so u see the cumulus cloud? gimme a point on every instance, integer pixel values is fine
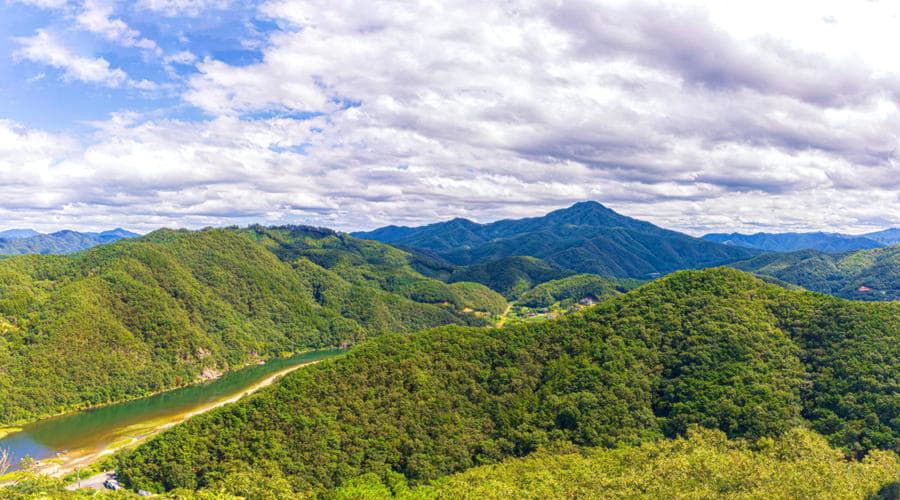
(96, 16)
(45, 48)
(364, 113)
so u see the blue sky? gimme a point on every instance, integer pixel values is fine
(38, 95)
(697, 115)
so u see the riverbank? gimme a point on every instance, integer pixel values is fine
(6, 431)
(66, 464)
(81, 455)
(16, 426)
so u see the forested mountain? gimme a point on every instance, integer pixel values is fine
(586, 237)
(790, 242)
(717, 348)
(510, 276)
(127, 319)
(18, 242)
(862, 275)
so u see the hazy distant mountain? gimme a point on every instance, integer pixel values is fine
(888, 236)
(791, 242)
(15, 234)
(60, 242)
(586, 237)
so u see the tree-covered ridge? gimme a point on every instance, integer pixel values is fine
(586, 237)
(716, 348)
(861, 275)
(139, 316)
(572, 289)
(511, 276)
(704, 464)
(364, 262)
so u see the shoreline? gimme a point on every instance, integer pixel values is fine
(70, 461)
(20, 424)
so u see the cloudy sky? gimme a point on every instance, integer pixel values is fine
(699, 116)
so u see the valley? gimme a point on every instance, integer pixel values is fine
(459, 376)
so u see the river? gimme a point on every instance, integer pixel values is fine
(76, 438)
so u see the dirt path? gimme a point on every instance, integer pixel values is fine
(92, 483)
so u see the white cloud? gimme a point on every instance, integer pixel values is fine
(46, 49)
(676, 113)
(183, 57)
(182, 7)
(96, 16)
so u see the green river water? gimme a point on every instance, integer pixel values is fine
(94, 430)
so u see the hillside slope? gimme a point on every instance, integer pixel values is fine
(574, 288)
(863, 275)
(717, 348)
(706, 464)
(586, 237)
(138, 316)
(509, 276)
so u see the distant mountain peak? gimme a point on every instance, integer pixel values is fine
(585, 237)
(15, 234)
(589, 204)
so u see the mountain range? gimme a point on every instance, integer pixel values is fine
(790, 242)
(28, 241)
(586, 237)
(691, 372)
(823, 242)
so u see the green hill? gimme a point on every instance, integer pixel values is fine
(510, 276)
(799, 464)
(861, 275)
(715, 348)
(138, 316)
(586, 237)
(574, 288)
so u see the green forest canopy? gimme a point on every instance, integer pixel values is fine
(715, 348)
(138, 316)
(861, 275)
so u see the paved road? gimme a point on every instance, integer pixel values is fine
(92, 483)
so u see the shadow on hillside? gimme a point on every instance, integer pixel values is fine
(890, 491)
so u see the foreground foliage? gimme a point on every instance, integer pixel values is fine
(705, 464)
(715, 348)
(139, 316)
